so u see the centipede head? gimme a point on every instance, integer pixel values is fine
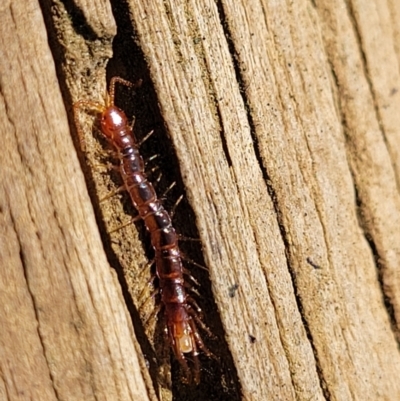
(112, 119)
(113, 122)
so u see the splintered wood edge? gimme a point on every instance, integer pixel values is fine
(62, 280)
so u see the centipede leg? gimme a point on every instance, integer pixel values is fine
(150, 159)
(146, 267)
(148, 320)
(152, 170)
(194, 305)
(145, 138)
(106, 165)
(158, 179)
(133, 220)
(190, 288)
(132, 124)
(196, 367)
(167, 190)
(187, 273)
(184, 238)
(192, 262)
(179, 200)
(113, 193)
(149, 284)
(200, 323)
(199, 342)
(149, 298)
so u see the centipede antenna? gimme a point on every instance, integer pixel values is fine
(89, 106)
(111, 90)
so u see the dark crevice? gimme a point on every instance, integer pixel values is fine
(223, 141)
(361, 221)
(198, 40)
(379, 264)
(235, 63)
(129, 62)
(79, 22)
(367, 76)
(358, 198)
(273, 196)
(219, 379)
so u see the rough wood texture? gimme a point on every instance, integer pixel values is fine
(283, 118)
(65, 331)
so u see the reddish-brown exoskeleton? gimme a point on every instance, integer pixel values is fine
(179, 309)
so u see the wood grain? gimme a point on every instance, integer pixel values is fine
(66, 333)
(282, 118)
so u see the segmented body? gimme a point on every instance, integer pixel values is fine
(178, 307)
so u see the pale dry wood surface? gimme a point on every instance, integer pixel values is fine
(284, 124)
(65, 330)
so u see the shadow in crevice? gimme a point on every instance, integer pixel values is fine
(218, 377)
(55, 39)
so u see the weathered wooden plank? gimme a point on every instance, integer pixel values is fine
(282, 119)
(341, 302)
(200, 100)
(66, 333)
(282, 57)
(377, 174)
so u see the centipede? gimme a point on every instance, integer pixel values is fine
(180, 311)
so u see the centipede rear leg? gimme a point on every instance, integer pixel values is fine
(196, 334)
(182, 359)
